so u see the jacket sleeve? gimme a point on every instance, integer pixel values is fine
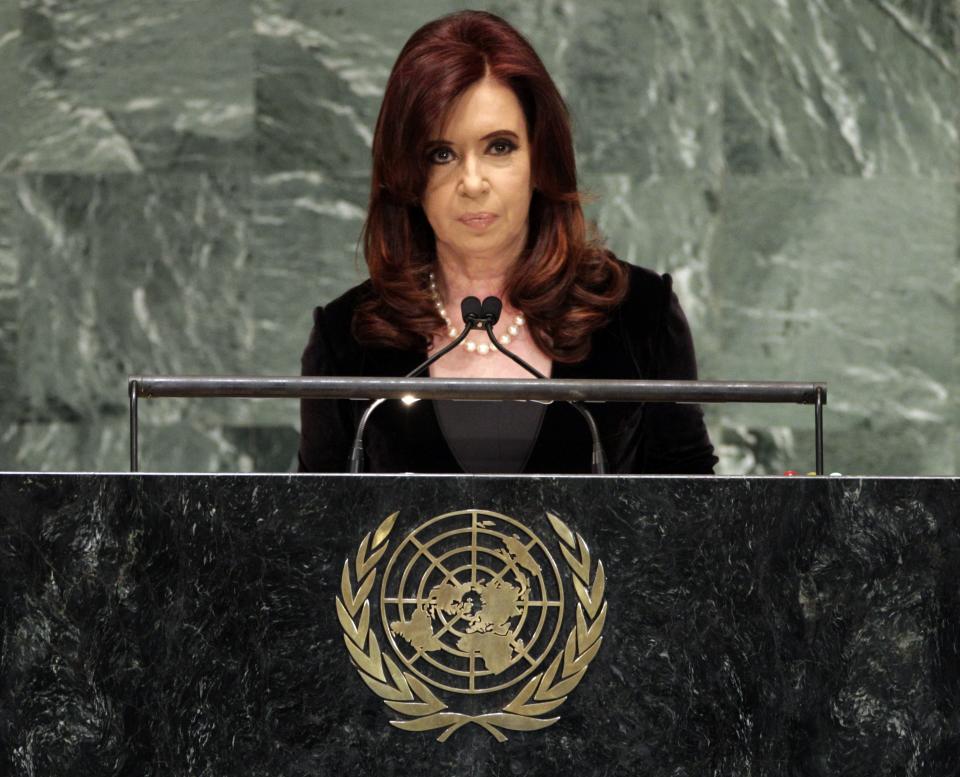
(674, 436)
(325, 427)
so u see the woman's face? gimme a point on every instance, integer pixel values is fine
(477, 197)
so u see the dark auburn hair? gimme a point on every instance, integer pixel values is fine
(565, 282)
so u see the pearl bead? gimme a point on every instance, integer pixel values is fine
(481, 348)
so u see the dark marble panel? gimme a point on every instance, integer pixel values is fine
(927, 21)
(845, 281)
(100, 445)
(191, 437)
(305, 252)
(642, 79)
(185, 438)
(9, 298)
(9, 80)
(644, 84)
(666, 224)
(785, 443)
(320, 72)
(184, 625)
(130, 86)
(851, 87)
(128, 274)
(865, 87)
(322, 68)
(955, 425)
(888, 446)
(263, 448)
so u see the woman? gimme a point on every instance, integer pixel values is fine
(474, 192)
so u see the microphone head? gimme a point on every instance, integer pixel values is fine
(491, 308)
(471, 309)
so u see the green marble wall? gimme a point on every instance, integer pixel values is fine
(181, 182)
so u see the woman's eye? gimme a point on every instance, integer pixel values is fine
(501, 147)
(440, 156)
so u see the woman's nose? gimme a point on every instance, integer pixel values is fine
(472, 179)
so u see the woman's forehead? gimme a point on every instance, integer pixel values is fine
(485, 107)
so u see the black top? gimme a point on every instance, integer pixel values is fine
(646, 338)
(489, 437)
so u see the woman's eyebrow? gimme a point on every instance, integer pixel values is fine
(500, 132)
(496, 133)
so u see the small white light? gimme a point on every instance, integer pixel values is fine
(518, 320)
(408, 399)
(471, 346)
(513, 329)
(505, 339)
(452, 332)
(483, 349)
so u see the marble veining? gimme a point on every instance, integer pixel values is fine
(772, 294)
(186, 625)
(122, 87)
(9, 80)
(180, 184)
(848, 87)
(9, 309)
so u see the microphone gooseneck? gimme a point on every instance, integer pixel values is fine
(477, 315)
(493, 306)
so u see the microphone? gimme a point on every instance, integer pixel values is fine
(471, 310)
(473, 316)
(492, 308)
(477, 315)
(490, 315)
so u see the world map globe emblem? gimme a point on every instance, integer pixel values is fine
(471, 601)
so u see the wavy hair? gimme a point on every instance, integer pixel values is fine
(564, 281)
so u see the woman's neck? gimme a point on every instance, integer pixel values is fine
(459, 277)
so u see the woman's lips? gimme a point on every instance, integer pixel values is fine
(477, 221)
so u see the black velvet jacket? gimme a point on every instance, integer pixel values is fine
(646, 338)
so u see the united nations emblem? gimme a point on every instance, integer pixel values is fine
(471, 605)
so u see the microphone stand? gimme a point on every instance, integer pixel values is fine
(480, 316)
(470, 308)
(598, 461)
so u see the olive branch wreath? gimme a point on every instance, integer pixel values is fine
(406, 694)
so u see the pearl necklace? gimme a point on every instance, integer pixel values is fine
(482, 348)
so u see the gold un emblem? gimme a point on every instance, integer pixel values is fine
(472, 605)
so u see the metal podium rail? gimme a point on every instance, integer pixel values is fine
(685, 391)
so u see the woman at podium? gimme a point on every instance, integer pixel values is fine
(474, 193)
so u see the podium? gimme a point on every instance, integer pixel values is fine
(191, 624)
